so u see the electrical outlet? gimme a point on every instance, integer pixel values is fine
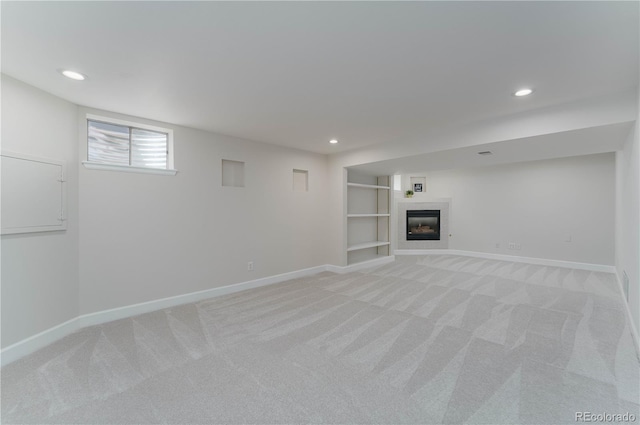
(250, 266)
(518, 247)
(497, 245)
(512, 245)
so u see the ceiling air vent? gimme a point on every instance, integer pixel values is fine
(485, 153)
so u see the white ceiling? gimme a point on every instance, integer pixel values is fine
(587, 141)
(299, 73)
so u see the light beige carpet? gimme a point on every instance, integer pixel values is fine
(430, 340)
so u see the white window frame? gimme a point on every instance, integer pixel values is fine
(169, 171)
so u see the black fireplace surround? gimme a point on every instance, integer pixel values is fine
(423, 225)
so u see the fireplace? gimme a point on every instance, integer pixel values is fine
(423, 225)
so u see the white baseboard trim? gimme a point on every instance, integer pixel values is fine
(146, 307)
(632, 325)
(44, 338)
(37, 341)
(516, 259)
(360, 266)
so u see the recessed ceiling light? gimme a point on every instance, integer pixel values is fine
(73, 75)
(523, 92)
(333, 141)
(485, 153)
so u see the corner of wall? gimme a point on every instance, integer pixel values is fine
(36, 298)
(627, 227)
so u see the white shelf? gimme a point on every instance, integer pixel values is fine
(366, 245)
(368, 186)
(367, 217)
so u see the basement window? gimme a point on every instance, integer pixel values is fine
(125, 146)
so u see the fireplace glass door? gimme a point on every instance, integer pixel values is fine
(423, 225)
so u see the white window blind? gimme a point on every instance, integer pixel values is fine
(115, 144)
(148, 149)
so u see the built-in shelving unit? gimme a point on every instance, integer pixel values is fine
(368, 186)
(368, 216)
(366, 245)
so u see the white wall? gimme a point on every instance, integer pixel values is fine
(539, 205)
(628, 218)
(146, 237)
(39, 270)
(133, 238)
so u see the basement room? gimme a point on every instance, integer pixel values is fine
(222, 212)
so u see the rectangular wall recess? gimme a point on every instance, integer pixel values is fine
(232, 173)
(300, 180)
